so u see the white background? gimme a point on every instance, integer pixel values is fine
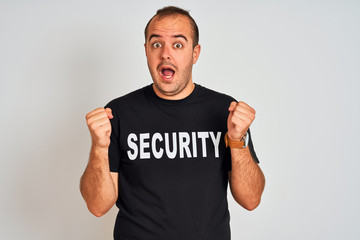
(296, 62)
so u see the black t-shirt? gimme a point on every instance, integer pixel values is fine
(172, 164)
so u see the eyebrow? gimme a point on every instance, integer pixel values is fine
(175, 36)
(152, 36)
(180, 36)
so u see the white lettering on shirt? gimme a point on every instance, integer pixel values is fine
(184, 141)
(203, 136)
(157, 154)
(132, 137)
(194, 146)
(143, 145)
(170, 154)
(172, 145)
(216, 142)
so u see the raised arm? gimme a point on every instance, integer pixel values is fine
(99, 186)
(246, 179)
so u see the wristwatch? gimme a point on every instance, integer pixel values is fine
(236, 144)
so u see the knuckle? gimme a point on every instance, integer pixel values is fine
(240, 106)
(91, 126)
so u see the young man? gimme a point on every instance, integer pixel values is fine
(160, 153)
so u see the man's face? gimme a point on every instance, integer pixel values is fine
(170, 56)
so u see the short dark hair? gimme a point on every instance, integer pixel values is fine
(173, 11)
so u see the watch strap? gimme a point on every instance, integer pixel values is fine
(234, 144)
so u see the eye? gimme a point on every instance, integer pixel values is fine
(178, 45)
(156, 45)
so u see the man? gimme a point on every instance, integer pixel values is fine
(160, 152)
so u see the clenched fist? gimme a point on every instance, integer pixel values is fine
(239, 120)
(99, 125)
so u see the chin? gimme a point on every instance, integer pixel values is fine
(168, 89)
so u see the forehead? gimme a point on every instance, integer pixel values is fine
(170, 25)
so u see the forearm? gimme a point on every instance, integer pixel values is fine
(96, 184)
(246, 179)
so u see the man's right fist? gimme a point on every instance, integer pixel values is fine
(99, 126)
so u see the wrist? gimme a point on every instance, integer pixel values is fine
(99, 148)
(240, 138)
(99, 152)
(239, 144)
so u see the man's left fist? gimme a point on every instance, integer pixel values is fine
(239, 120)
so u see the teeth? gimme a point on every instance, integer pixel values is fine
(168, 77)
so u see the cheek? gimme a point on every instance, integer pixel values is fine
(151, 60)
(184, 58)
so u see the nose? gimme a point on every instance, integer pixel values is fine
(165, 54)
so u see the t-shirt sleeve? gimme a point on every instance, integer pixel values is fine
(114, 148)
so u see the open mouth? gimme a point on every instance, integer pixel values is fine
(167, 72)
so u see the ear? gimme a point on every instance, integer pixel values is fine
(196, 53)
(145, 49)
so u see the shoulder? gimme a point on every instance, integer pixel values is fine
(213, 95)
(131, 98)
